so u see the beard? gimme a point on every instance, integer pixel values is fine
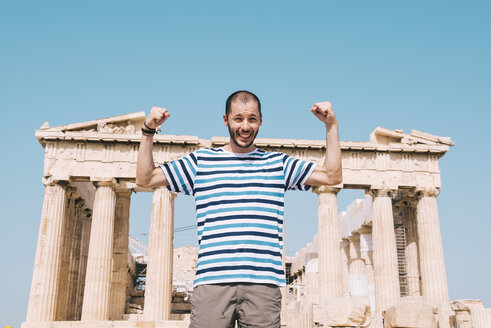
(233, 138)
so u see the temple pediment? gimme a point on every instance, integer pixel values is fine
(387, 137)
(121, 124)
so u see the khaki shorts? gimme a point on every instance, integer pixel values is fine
(221, 305)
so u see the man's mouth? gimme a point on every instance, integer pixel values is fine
(244, 136)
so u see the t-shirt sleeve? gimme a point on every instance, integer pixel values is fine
(296, 172)
(181, 174)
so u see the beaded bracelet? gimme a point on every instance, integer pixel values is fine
(147, 131)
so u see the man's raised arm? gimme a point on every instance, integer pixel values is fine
(331, 173)
(147, 174)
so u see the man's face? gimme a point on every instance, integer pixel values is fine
(243, 124)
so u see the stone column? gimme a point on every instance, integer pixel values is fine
(100, 259)
(345, 268)
(284, 290)
(386, 272)
(120, 270)
(412, 256)
(73, 275)
(479, 315)
(158, 287)
(358, 283)
(433, 275)
(328, 243)
(366, 251)
(44, 286)
(84, 254)
(62, 302)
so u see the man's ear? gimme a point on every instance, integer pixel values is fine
(260, 119)
(225, 120)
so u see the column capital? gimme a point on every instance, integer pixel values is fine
(365, 230)
(172, 194)
(344, 243)
(354, 237)
(72, 192)
(427, 192)
(380, 192)
(105, 182)
(124, 193)
(50, 181)
(325, 190)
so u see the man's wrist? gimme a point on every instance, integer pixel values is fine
(330, 126)
(148, 131)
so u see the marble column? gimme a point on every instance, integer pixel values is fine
(44, 286)
(412, 254)
(84, 254)
(284, 290)
(366, 252)
(479, 315)
(358, 283)
(63, 287)
(386, 272)
(73, 274)
(312, 273)
(120, 270)
(344, 268)
(328, 243)
(100, 259)
(433, 275)
(158, 287)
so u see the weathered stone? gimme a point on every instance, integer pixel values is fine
(411, 312)
(342, 312)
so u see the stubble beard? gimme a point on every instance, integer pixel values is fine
(233, 138)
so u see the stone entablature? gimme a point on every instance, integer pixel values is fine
(108, 148)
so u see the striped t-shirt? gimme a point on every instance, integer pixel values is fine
(239, 210)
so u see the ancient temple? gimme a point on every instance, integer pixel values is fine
(380, 261)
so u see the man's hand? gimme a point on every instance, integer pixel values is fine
(331, 173)
(323, 111)
(156, 117)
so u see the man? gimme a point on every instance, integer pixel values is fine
(239, 191)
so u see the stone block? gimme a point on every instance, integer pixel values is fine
(342, 312)
(412, 312)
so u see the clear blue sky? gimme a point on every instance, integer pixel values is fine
(397, 64)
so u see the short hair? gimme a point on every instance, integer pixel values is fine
(244, 97)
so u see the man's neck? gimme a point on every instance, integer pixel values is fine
(230, 147)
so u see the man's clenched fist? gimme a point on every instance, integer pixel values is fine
(323, 111)
(156, 117)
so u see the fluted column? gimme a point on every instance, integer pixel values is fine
(284, 290)
(84, 254)
(63, 287)
(158, 287)
(328, 243)
(479, 315)
(433, 275)
(344, 251)
(44, 286)
(358, 283)
(73, 275)
(412, 256)
(120, 271)
(386, 272)
(100, 258)
(366, 252)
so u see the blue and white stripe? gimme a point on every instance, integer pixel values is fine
(239, 210)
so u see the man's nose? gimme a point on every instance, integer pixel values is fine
(245, 125)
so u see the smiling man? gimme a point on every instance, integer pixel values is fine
(239, 192)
